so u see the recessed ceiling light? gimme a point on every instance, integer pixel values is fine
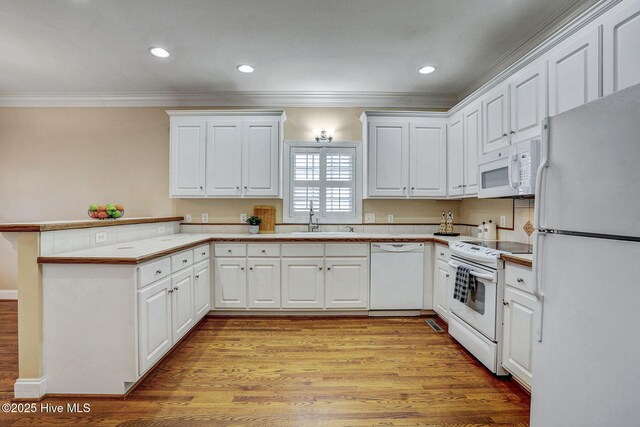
(159, 52)
(244, 68)
(427, 69)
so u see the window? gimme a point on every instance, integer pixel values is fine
(326, 178)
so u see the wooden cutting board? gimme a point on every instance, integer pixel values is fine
(268, 216)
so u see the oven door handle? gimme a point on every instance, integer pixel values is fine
(475, 273)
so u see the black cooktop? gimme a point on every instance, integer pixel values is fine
(511, 247)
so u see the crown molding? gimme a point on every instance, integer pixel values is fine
(229, 99)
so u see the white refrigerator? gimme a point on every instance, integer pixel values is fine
(586, 355)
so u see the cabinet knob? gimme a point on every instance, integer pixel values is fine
(328, 268)
(201, 187)
(170, 291)
(197, 276)
(229, 250)
(204, 253)
(441, 253)
(320, 268)
(264, 251)
(237, 188)
(245, 187)
(512, 132)
(242, 268)
(175, 289)
(251, 268)
(413, 188)
(504, 135)
(505, 302)
(447, 275)
(184, 261)
(464, 185)
(158, 271)
(404, 188)
(520, 280)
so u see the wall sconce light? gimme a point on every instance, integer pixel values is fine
(322, 135)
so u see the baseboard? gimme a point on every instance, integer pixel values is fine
(287, 313)
(8, 294)
(394, 313)
(30, 388)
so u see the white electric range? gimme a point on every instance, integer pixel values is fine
(477, 324)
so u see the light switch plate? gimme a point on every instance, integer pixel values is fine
(101, 237)
(205, 217)
(243, 217)
(369, 218)
(390, 218)
(161, 230)
(187, 217)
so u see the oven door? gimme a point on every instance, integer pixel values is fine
(479, 311)
(496, 176)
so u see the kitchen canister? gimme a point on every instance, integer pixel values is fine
(490, 231)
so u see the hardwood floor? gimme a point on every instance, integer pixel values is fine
(296, 372)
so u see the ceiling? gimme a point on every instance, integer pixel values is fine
(296, 46)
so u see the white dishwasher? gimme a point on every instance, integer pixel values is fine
(397, 276)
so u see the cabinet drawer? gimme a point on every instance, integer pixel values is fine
(346, 249)
(266, 250)
(303, 249)
(443, 252)
(181, 260)
(153, 271)
(231, 249)
(200, 253)
(519, 277)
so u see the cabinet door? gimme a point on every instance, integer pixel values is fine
(261, 154)
(518, 333)
(347, 283)
(224, 149)
(154, 323)
(621, 53)
(388, 159)
(528, 102)
(440, 289)
(182, 314)
(188, 141)
(574, 77)
(230, 284)
(264, 283)
(495, 113)
(472, 130)
(303, 283)
(428, 159)
(455, 158)
(202, 288)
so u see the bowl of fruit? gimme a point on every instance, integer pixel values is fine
(108, 211)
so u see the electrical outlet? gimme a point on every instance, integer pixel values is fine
(161, 229)
(503, 221)
(205, 217)
(243, 217)
(390, 218)
(369, 218)
(187, 217)
(101, 237)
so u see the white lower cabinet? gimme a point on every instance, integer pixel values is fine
(154, 322)
(347, 283)
(202, 289)
(440, 288)
(303, 282)
(230, 283)
(263, 282)
(182, 313)
(518, 333)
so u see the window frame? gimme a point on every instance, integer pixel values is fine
(356, 218)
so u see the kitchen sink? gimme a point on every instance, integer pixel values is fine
(323, 233)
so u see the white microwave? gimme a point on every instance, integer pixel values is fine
(510, 172)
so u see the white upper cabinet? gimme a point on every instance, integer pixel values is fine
(224, 162)
(428, 159)
(496, 124)
(574, 72)
(407, 156)
(388, 159)
(456, 156)
(188, 138)
(226, 153)
(472, 131)
(528, 102)
(260, 164)
(621, 35)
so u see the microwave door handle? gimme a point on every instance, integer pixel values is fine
(515, 167)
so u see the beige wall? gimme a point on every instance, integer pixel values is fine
(54, 162)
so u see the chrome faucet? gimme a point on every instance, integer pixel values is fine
(350, 228)
(311, 226)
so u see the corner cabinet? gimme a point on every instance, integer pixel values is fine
(406, 155)
(225, 153)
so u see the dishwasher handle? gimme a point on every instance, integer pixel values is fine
(396, 247)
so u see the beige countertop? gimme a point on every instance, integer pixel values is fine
(521, 259)
(36, 227)
(140, 251)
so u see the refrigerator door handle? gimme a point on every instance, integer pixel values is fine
(537, 288)
(544, 163)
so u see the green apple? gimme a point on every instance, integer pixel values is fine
(93, 208)
(116, 214)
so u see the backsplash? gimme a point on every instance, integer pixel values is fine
(293, 228)
(522, 213)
